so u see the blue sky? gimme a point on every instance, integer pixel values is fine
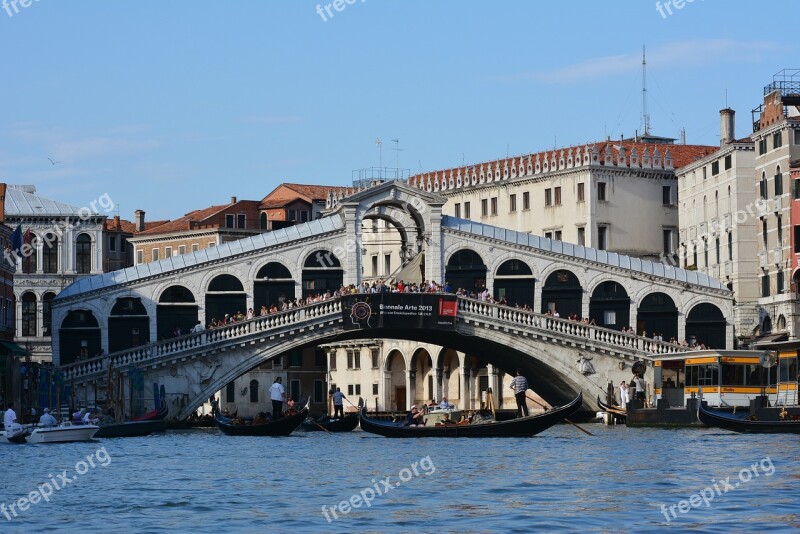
(174, 105)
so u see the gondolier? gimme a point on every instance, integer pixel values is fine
(278, 394)
(520, 385)
(338, 404)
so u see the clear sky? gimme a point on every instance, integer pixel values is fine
(171, 106)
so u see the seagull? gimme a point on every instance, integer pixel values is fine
(53, 162)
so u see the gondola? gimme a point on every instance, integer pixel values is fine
(131, 429)
(280, 427)
(520, 427)
(741, 423)
(616, 410)
(348, 423)
(156, 414)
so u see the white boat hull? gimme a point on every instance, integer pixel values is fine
(63, 434)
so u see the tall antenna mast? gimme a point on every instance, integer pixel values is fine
(645, 116)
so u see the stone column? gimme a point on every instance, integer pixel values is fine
(351, 262)
(634, 314)
(438, 387)
(434, 267)
(411, 377)
(466, 398)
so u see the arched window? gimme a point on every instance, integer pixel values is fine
(254, 391)
(47, 313)
(263, 220)
(29, 314)
(29, 253)
(716, 203)
(83, 254)
(50, 254)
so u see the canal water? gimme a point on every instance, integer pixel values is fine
(562, 480)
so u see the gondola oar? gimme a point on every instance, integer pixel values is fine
(567, 420)
(322, 427)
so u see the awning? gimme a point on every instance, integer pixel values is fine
(9, 347)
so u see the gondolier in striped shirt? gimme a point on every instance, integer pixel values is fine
(520, 385)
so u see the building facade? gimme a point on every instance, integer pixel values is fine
(619, 196)
(718, 212)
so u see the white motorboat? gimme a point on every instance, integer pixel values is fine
(16, 433)
(65, 433)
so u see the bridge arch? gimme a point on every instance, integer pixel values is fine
(273, 283)
(657, 313)
(466, 269)
(176, 308)
(562, 292)
(706, 324)
(423, 376)
(515, 280)
(128, 324)
(610, 305)
(322, 271)
(396, 368)
(79, 336)
(225, 295)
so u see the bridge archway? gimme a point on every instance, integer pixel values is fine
(610, 305)
(706, 324)
(79, 336)
(515, 281)
(225, 295)
(658, 313)
(176, 308)
(467, 270)
(423, 376)
(396, 368)
(273, 285)
(128, 324)
(322, 271)
(562, 292)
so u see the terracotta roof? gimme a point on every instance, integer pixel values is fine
(183, 223)
(148, 225)
(681, 155)
(747, 139)
(279, 202)
(310, 192)
(120, 225)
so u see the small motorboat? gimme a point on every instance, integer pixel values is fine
(64, 433)
(16, 433)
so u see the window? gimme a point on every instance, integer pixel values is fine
(254, 390)
(780, 232)
(778, 183)
(350, 390)
(230, 393)
(601, 191)
(466, 210)
(666, 195)
(319, 391)
(296, 358)
(241, 221)
(581, 194)
(667, 241)
(762, 146)
(557, 235)
(694, 255)
(229, 220)
(513, 203)
(29, 314)
(779, 281)
(548, 197)
(558, 196)
(29, 255)
(602, 237)
(458, 211)
(762, 186)
(705, 170)
(796, 188)
(332, 365)
(50, 254)
(47, 313)
(582, 236)
(139, 256)
(717, 251)
(374, 265)
(764, 232)
(303, 216)
(797, 238)
(195, 247)
(715, 168)
(212, 244)
(122, 242)
(387, 264)
(797, 137)
(609, 318)
(112, 243)
(494, 205)
(526, 200)
(319, 358)
(167, 252)
(777, 140)
(375, 353)
(484, 207)
(354, 359)
(182, 249)
(294, 390)
(292, 215)
(155, 254)
(728, 162)
(375, 389)
(705, 252)
(765, 284)
(730, 246)
(83, 254)
(548, 235)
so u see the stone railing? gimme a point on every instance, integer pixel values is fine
(212, 338)
(556, 325)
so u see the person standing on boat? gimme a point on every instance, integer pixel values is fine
(46, 419)
(10, 416)
(520, 385)
(278, 394)
(624, 395)
(338, 404)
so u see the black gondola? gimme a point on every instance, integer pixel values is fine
(741, 422)
(131, 429)
(616, 410)
(520, 427)
(345, 424)
(280, 427)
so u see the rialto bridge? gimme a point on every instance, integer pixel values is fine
(125, 318)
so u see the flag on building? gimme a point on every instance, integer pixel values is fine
(16, 239)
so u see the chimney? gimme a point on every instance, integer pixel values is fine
(233, 200)
(727, 125)
(139, 220)
(117, 225)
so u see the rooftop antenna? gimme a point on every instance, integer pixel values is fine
(645, 116)
(379, 144)
(397, 150)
